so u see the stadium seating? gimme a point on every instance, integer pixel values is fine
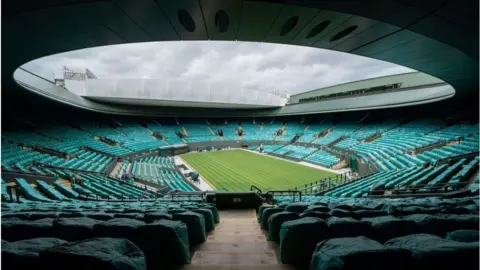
(419, 148)
(160, 233)
(319, 223)
(323, 158)
(160, 171)
(338, 131)
(313, 130)
(271, 148)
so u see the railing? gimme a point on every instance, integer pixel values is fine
(271, 194)
(439, 188)
(256, 189)
(179, 194)
(454, 158)
(323, 185)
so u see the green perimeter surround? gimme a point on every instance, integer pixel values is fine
(237, 170)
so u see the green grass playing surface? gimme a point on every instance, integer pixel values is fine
(237, 170)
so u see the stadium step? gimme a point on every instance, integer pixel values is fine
(115, 169)
(237, 243)
(185, 131)
(211, 131)
(65, 183)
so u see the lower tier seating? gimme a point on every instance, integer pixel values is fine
(101, 235)
(413, 178)
(345, 233)
(323, 158)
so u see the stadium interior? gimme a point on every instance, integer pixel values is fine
(375, 174)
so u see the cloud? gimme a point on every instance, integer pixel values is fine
(259, 66)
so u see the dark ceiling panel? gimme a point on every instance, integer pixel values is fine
(386, 43)
(372, 34)
(462, 13)
(439, 43)
(374, 9)
(109, 15)
(148, 15)
(55, 22)
(427, 5)
(333, 18)
(19, 51)
(183, 14)
(405, 16)
(420, 54)
(446, 32)
(222, 18)
(361, 23)
(283, 30)
(19, 6)
(81, 22)
(257, 19)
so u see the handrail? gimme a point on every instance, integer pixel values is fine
(256, 189)
(281, 192)
(457, 157)
(339, 178)
(439, 188)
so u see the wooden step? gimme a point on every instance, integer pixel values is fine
(242, 221)
(260, 238)
(65, 183)
(237, 232)
(240, 267)
(244, 258)
(234, 227)
(236, 247)
(235, 244)
(238, 214)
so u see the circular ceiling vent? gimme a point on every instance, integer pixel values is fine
(288, 25)
(221, 21)
(186, 20)
(343, 33)
(318, 29)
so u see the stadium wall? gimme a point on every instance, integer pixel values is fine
(407, 80)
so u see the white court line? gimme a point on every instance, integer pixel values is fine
(202, 185)
(341, 171)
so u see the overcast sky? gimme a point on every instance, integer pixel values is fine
(259, 66)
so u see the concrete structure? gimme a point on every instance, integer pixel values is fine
(439, 38)
(413, 80)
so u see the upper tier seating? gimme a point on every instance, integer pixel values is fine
(338, 131)
(253, 132)
(229, 130)
(372, 129)
(313, 130)
(199, 132)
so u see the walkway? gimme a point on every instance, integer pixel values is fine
(237, 243)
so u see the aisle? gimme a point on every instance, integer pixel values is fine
(237, 243)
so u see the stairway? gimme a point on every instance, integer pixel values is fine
(236, 243)
(116, 169)
(65, 183)
(185, 131)
(211, 131)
